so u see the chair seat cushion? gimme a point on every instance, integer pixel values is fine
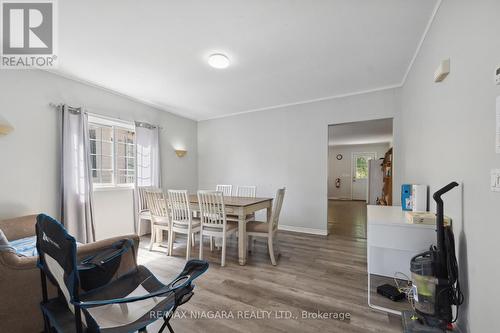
(145, 214)
(256, 226)
(161, 220)
(184, 224)
(230, 226)
(141, 282)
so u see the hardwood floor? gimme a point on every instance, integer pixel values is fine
(314, 273)
(347, 218)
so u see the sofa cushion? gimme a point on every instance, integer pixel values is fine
(4, 243)
(25, 246)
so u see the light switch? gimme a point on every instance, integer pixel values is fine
(495, 180)
(498, 126)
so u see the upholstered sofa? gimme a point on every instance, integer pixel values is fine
(20, 284)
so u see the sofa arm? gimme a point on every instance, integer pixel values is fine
(20, 286)
(21, 294)
(86, 250)
(10, 260)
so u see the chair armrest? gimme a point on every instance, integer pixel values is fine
(90, 304)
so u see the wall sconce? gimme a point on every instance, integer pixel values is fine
(5, 127)
(180, 152)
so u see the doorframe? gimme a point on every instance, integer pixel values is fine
(352, 168)
(394, 145)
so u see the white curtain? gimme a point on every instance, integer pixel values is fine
(148, 173)
(77, 207)
(148, 155)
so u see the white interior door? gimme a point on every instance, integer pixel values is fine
(359, 173)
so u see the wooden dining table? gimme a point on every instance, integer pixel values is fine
(240, 207)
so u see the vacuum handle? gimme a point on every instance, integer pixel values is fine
(437, 195)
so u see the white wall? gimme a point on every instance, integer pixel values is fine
(113, 212)
(284, 147)
(343, 169)
(450, 135)
(29, 167)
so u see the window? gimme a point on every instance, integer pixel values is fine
(361, 167)
(360, 164)
(112, 152)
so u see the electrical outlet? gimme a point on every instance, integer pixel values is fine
(495, 180)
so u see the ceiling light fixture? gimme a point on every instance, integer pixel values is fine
(218, 60)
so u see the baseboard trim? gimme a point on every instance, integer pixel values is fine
(303, 230)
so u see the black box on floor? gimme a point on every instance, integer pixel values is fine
(390, 292)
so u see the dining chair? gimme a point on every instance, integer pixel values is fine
(213, 220)
(143, 212)
(246, 191)
(182, 220)
(227, 190)
(268, 230)
(160, 220)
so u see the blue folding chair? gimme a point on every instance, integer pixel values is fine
(127, 303)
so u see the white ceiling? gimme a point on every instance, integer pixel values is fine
(282, 51)
(360, 133)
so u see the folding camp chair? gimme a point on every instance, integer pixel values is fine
(128, 303)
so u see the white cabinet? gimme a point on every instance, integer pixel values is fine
(392, 242)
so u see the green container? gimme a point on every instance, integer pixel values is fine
(425, 283)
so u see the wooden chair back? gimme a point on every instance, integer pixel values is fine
(141, 192)
(212, 209)
(179, 206)
(278, 203)
(246, 191)
(227, 190)
(157, 202)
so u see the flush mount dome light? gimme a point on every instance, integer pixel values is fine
(218, 60)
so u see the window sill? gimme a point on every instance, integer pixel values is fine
(113, 188)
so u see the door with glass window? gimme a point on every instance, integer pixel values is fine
(359, 188)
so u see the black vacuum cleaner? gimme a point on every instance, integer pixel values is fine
(436, 287)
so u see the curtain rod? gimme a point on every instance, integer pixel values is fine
(79, 110)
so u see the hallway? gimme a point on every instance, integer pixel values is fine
(347, 218)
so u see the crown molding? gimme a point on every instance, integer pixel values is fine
(117, 93)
